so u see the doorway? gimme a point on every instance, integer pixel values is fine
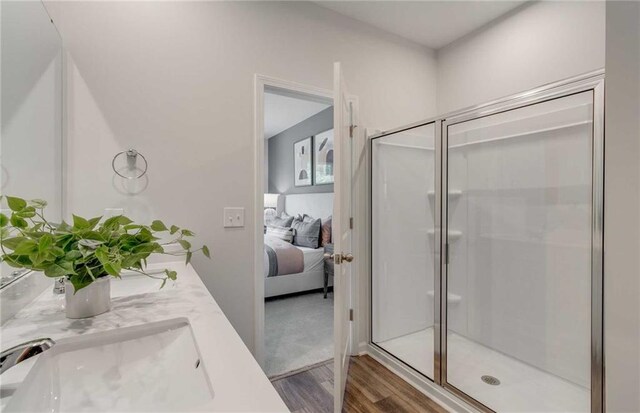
(294, 292)
(342, 232)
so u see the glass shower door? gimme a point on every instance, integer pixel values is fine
(403, 203)
(519, 232)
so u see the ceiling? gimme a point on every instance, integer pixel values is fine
(282, 111)
(431, 23)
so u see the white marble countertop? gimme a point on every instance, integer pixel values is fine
(237, 380)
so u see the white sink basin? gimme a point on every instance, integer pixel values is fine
(154, 367)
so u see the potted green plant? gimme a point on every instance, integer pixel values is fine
(87, 253)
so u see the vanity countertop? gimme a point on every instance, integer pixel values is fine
(236, 378)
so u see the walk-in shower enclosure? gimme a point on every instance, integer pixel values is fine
(486, 249)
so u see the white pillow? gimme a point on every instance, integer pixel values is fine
(283, 233)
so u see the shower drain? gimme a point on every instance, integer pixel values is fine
(490, 380)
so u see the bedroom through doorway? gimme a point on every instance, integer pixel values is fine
(298, 209)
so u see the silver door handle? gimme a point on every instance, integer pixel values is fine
(339, 258)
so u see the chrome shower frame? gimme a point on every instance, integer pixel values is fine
(594, 82)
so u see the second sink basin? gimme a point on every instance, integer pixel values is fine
(154, 367)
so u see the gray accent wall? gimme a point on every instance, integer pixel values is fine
(281, 154)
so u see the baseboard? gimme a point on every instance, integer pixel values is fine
(445, 399)
(289, 295)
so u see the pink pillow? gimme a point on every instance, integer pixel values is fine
(325, 232)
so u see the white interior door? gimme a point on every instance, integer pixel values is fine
(342, 234)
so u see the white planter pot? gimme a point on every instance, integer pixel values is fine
(90, 301)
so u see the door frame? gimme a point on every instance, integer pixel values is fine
(262, 82)
(593, 81)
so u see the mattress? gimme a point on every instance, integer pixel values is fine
(313, 260)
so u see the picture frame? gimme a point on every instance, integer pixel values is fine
(323, 158)
(303, 162)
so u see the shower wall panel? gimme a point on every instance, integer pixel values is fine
(522, 260)
(519, 220)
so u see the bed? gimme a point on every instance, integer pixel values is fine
(310, 261)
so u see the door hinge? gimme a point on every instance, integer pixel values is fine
(352, 128)
(351, 314)
(351, 223)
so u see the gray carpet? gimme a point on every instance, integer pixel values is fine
(298, 332)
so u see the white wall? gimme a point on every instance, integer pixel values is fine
(538, 43)
(175, 81)
(622, 208)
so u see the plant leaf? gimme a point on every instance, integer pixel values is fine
(184, 244)
(93, 222)
(12, 243)
(59, 252)
(111, 223)
(16, 204)
(94, 236)
(144, 235)
(158, 226)
(102, 254)
(80, 223)
(55, 270)
(18, 222)
(64, 227)
(79, 282)
(45, 242)
(189, 255)
(4, 220)
(172, 275)
(205, 251)
(38, 258)
(122, 220)
(89, 243)
(67, 266)
(27, 212)
(187, 233)
(90, 272)
(72, 255)
(26, 247)
(146, 248)
(64, 240)
(112, 268)
(38, 203)
(174, 229)
(17, 261)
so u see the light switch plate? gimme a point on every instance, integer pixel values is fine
(233, 217)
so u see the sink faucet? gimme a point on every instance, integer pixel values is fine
(58, 286)
(22, 352)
